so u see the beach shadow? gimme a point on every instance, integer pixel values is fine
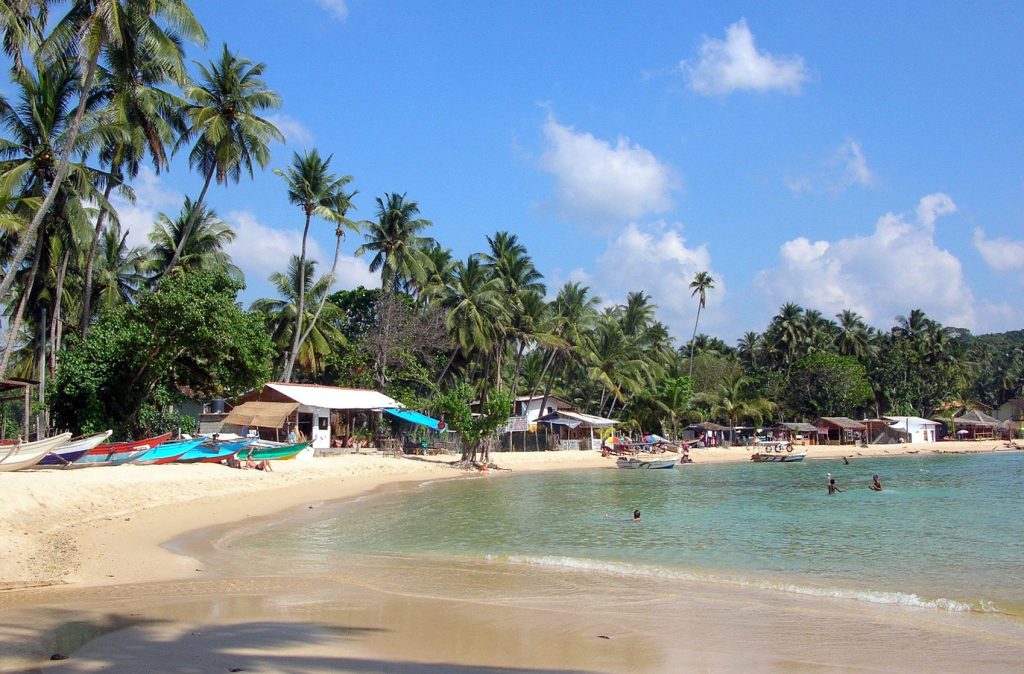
(247, 647)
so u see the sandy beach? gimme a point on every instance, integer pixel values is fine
(71, 541)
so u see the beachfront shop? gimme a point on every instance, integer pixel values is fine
(575, 430)
(839, 430)
(795, 433)
(976, 425)
(327, 416)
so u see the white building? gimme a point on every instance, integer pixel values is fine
(918, 429)
(529, 406)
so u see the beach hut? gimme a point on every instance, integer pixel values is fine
(796, 432)
(917, 429)
(839, 430)
(1011, 413)
(707, 432)
(322, 414)
(976, 425)
(575, 429)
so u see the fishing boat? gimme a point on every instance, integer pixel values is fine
(262, 450)
(211, 452)
(634, 462)
(758, 457)
(20, 455)
(72, 450)
(776, 451)
(117, 453)
(168, 452)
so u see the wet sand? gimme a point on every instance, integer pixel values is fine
(120, 602)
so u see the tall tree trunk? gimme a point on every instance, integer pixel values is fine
(58, 302)
(90, 260)
(693, 341)
(187, 231)
(323, 300)
(300, 307)
(64, 164)
(515, 374)
(448, 365)
(12, 336)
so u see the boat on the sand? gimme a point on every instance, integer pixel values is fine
(117, 453)
(263, 450)
(214, 452)
(18, 455)
(168, 452)
(72, 450)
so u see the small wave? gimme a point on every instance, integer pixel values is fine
(906, 599)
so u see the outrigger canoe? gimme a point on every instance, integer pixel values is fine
(116, 453)
(20, 455)
(168, 452)
(72, 450)
(259, 451)
(214, 453)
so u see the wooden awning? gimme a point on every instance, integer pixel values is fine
(256, 413)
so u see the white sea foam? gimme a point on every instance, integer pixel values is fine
(638, 570)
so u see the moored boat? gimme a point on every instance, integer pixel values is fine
(117, 453)
(72, 450)
(20, 455)
(168, 452)
(264, 451)
(633, 462)
(758, 457)
(214, 452)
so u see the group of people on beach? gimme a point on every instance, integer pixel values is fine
(876, 484)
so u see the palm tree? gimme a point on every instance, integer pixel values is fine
(200, 248)
(853, 338)
(119, 269)
(474, 305)
(613, 361)
(224, 121)
(395, 241)
(733, 401)
(146, 117)
(280, 316)
(701, 284)
(439, 272)
(317, 191)
(86, 30)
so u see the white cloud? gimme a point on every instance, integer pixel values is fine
(656, 259)
(1000, 253)
(735, 63)
(151, 198)
(600, 180)
(259, 250)
(337, 8)
(294, 132)
(846, 167)
(896, 268)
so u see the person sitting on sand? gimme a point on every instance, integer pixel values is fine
(876, 484)
(262, 465)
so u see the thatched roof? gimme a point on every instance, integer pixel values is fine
(843, 423)
(976, 418)
(707, 426)
(796, 426)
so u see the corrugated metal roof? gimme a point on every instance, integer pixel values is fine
(334, 397)
(913, 421)
(582, 419)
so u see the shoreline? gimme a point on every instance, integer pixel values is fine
(127, 514)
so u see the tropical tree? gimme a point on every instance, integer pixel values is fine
(119, 270)
(317, 192)
(395, 241)
(474, 308)
(854, 336)
(701, 283)
(733, 401)
(223, 119)
(200, 247)
(280, 316)
(88, 27)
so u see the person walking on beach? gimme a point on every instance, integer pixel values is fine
(876, 484)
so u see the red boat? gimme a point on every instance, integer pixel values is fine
(116, 453)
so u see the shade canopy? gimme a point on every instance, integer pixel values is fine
(416, 418)
(256, 413)
(334, 397)
(575, 419)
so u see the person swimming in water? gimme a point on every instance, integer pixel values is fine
(636, 515)
(832, 488)
(876, 484)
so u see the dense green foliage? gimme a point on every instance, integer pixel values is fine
(188, 339)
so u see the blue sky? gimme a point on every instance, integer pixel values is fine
(854, 155)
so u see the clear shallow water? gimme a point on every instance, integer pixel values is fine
(946, 533)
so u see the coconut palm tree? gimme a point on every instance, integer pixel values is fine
(119, 269)
(853, 337)
(318, 192)
(200, 248)
(474, 307)
(734, 401)
(396, 243)
(223, 116)
(146, 117)
(701, 284)
(280, 316)
(88, 27)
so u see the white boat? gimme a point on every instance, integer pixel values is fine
(20, 455)
(633, 462)
(757, 457)
(73, 450)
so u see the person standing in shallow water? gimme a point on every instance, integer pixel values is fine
(876, 484)
(832, 488)
(636, 515)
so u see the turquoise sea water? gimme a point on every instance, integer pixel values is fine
(947, 533)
